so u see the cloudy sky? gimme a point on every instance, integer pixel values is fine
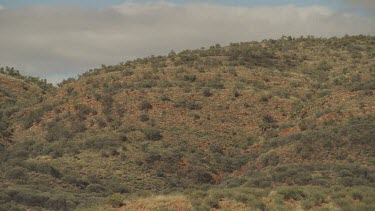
(56, 39)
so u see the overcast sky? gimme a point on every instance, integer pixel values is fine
(59, 39)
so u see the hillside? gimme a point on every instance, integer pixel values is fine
(277, 124)
(16, 93)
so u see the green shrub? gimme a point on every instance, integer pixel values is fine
(164, 98)
(200, 175)
(214, 83)
(190, 78)
(44, 168)
(117, 187)
(236, 94)
(268, 118)
(152, 134)
(101, 142)
(189, 104)
(17, 173)
(143, 117)
(145, 106)
(207, 92)
(60, 202)
(75, 180)
(212, 202)
(357, 195)
(127, 73)
(146, 84)
(58, 132)
(36, 115)
(265, 98)
(116, 200)
(293, 193)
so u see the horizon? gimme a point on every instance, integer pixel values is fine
(56, 40)
(76, 76)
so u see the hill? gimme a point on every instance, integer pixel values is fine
(277, 124)
(16, 93)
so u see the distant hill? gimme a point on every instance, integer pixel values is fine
(277, 124)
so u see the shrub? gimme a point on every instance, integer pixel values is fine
(152, 134)
(268, 118)
(17, 173)
(28, 197)
(233, 72)
(101, 123)
(270, 159)
(164, 98)
(357, 195)
(190, 78)
(59, 203)
(117, 187)
(262, 182)
(75, 180)
(123, 138)
(116, 200)
(293, 194)
(127, 73)
(207, 92)
(236, 93)
(100, 142)
(212, 202)
(4, 198)
(189, 104)
(146, 84)
(44, 168)
(265, 98)
(200, 175)
(144, 105)
(143, 117)
(58, 132)
(36, 115)
(95, 188)
(215, 83)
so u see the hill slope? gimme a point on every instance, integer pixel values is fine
(18, 92)
(257, 125)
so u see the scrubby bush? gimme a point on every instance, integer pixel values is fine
(102, 142)
(116, 200)
(207, 92)
(17, 173)
(293, 193)
(164, 98)
(143, 117)
(189, 104)
(60, 202)
(190, 78)
(214, 83)
(58, 132)
(36, 115)
(145, 106)
(152, 134)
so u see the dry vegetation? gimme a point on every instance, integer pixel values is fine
(271, 125)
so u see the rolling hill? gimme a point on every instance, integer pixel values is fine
(270, 125)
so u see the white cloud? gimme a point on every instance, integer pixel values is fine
(55, 42)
